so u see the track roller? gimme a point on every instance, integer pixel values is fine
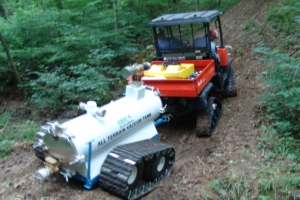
(132, 170)
(156, 167)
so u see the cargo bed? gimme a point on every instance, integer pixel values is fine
(204, 70)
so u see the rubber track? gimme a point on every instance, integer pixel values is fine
(230, 89)
(205, 121)
(112, 166)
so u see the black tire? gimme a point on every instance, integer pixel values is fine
(135, 175)
(207, 121)
(230, 85)
(156, 167)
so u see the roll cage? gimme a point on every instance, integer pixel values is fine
(186, 29)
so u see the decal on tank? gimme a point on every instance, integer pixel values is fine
(101, 142)
(126, 125)
(124, 121)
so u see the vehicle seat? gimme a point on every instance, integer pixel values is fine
(168, 43)
(200, 42)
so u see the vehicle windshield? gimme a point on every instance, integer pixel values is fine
(181, 37)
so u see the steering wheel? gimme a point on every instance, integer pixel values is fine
(186, 43)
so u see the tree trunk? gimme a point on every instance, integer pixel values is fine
(197, 5)
(2, 11)
(137, 4)
(115, 15)
(42, 5)
(10, 59)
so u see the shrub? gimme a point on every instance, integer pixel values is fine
(56, 89)
(283, 90)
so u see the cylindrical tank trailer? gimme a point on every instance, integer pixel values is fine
(113, 144)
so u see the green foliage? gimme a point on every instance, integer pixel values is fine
(280, 145)
(5, 147)
(12, 131)
(284, 23)
(55, 90)
(229, 187)
(282, 17)
(271, 182)
(280, 103)
(283, 94)
(278, 177)
(66, 55)
(278, 181)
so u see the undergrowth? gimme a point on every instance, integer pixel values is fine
(13, 131)
(278, 172)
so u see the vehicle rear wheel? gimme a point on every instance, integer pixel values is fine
(230, 85)
(208, 120)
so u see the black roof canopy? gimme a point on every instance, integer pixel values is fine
(185, 18)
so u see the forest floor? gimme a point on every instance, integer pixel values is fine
(232, 149)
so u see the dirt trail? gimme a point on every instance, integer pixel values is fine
(198, 160)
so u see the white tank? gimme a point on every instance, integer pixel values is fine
(125, 120)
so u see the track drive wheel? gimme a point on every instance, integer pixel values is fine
(230, 85)
(208, 120)
(157, 166)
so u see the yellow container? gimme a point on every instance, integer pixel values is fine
(155, 70)
(171, 71)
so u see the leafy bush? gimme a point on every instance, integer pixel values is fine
(49, 46)
(283, 90)
(283, 23)
(57, 89)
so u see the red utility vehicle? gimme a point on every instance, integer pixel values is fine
(188, 70)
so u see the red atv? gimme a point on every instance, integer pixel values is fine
(189, 70)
